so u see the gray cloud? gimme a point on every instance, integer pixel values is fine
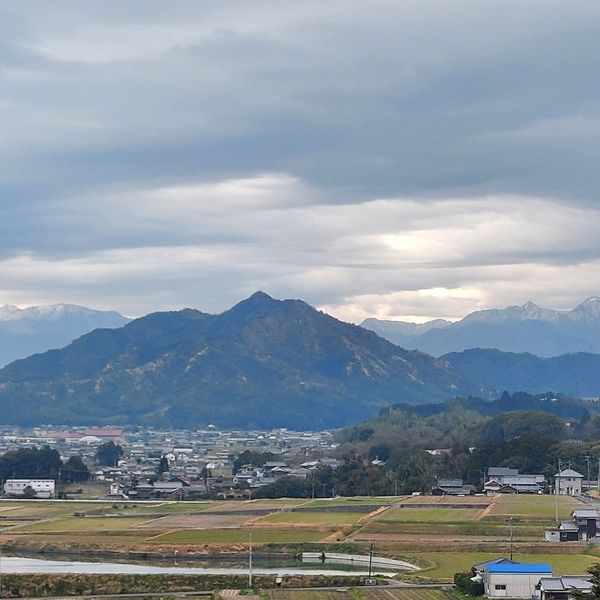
(401, 158)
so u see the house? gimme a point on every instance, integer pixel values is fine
(564, 588)
(582, 527)
(451, 487)
(39, 488)
(499, 472)
(116, 492)
(519, 580)
(503, 480)
(568, 483)
(587, 523)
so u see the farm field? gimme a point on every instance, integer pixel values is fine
(454, 500)
(429, 515)
(238, 536)
(355, 501)
(361, 594)
(445, 564)
(536, 507)
(81, 524)
(445, 535)
(312, 518)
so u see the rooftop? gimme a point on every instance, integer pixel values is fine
(519, 568)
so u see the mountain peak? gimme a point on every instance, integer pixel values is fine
(259, 296)
(589, 308)
(256, 304)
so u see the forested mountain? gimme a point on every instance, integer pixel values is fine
(575, 374)
(25, 331)
(526, 328)
(262, 363)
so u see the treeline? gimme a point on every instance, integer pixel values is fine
(42, 463)
(467, 442)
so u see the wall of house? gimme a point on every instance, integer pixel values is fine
(516, 585)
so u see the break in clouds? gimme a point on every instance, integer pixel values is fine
(405, 159)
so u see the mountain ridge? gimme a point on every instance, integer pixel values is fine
(263, 362)
(523, 328)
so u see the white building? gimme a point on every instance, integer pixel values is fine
(43, 488)
(502, 580)
(568, 483)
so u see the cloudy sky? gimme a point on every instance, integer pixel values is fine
(399, 159)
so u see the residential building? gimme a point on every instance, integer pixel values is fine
(568, 483)
(503, 480)
(451, 487)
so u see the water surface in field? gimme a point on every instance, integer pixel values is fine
(21, 564)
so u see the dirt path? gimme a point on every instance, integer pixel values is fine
(486, 511)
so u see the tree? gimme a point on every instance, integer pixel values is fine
(163, 465)
(286, 487)
(250, 457)
(75, 470)
(108, 454)
(35, 463)
(29, 493)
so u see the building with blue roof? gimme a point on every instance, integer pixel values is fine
(518, 580)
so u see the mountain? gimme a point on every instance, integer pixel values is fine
(575, 374)
(527, 328)
(263, 363)
(25, 331)
(555, 404)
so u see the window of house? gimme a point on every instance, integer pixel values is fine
(500, 586)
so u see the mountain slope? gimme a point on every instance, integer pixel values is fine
(576, 374)
(527, 328)
(39, 328)
(264, 362)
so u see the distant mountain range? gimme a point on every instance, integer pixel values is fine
(575, 374)
(559, 405)
(527, 328)
(25, 331)
(263, 363)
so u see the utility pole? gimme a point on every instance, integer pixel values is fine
(556, 500)
(510, 521)
(250, 564)
(370, 559)
(587, 460)
(556, 486)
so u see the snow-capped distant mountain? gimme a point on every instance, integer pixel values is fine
(25, 331)
(526, 328)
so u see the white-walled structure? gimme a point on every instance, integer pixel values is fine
(514, 580)
(568, 483)
(43, 488)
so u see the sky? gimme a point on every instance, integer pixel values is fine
(398, 159)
